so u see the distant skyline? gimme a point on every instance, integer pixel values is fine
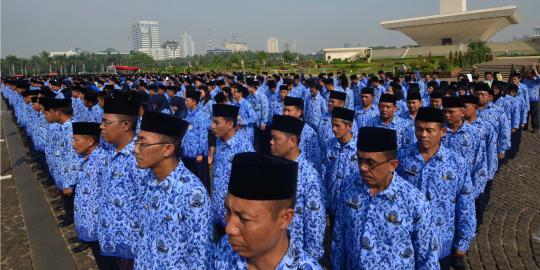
(31, 26)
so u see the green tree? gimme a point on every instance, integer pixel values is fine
(288, 57)
(262, 58)
(139, 59)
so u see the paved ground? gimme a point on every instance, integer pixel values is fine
(15, 247)
(509, 238)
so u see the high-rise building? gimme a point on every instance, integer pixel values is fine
(289, 45)
(272, 45)
(235, 46)
(172, 49)
(145, 35)
(186, 45)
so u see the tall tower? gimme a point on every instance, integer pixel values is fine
(209, 44)
(186, 45)
(272, 45)
(145, 35)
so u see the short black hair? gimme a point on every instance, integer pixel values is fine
(231, 119)
(276, 206)
(66, 111)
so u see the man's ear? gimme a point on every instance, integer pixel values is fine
(394, 164)
(285, 218)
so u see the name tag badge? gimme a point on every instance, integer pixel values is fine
(352, 204)
(411, 173)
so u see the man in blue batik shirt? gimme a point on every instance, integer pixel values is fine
(88, 180)
(382, 221)
(123, 182)
(247, 118)
(309, 221)
(229, 143)
(339, 159)
(496, 116)
(356, 87)
(259, 103)
(309, 144)
(315, 106)
(324, 130)
(66, 158)
(533, 92)
(465, 140)
(174, 222)
(388, 119)
(93, 111)
(195, 142)
(259, 214)
(366, 111)
(489, 136)
(438, 173)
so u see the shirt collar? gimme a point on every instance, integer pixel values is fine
(128, 149)
(440, 154)
(172, 178)
(389, 192)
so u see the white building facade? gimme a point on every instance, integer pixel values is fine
(272, 45)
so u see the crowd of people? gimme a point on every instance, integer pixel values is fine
(281, 171)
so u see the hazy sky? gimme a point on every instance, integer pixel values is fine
(31, 26)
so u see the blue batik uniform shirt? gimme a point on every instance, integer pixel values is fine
(174, 229)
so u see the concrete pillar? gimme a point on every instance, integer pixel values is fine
(453, 6)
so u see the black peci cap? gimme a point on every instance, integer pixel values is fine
(262, 177)
(164, 124)
(428, 114)
(374, 139)
(287, 124)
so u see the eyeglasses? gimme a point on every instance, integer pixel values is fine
(370, 164)
(108, 123)
(142, 146)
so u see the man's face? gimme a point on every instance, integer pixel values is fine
(113, 128)
(48, 116)
(387, 110)
(221, 127)
(340, 128)
(254, 227)
(81, 143)
(313, 91)
(367, 99)
(436, 102)
(469, 110)
(151, 149)
(236, 94)
(283, 94)
(76, 94)
(190, 103)
(483, 96)
(375, 167)
(453, 115)
(36, 107)
(413, 105)
(515, 80)
(489, 77)
(292, 111)
(281, 143)
(27, 99)
(428, 134)
(335, 103)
